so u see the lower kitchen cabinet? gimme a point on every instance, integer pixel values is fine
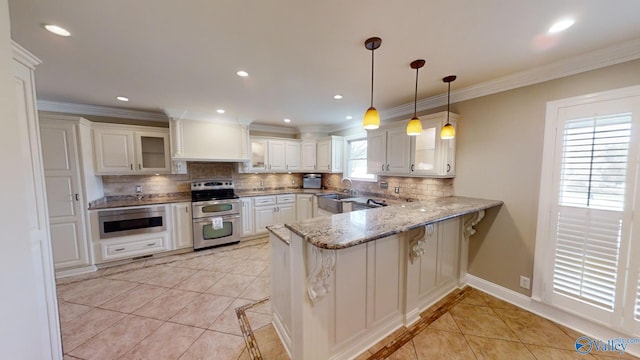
(274, 209)
(304, 206)
(182, 226)
(247, 217)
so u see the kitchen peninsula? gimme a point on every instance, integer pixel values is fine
(341, 283)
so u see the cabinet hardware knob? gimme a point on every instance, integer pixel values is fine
(412, 167)
(387, 167)
(77, 197)
(151, 244)
(119, 249)
(186, 210)
(139, 166)
(448, 167)
(131, 167)
(382, 167)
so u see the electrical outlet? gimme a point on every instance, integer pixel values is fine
(293, 182)
(261, 183)
(138, 189)
(384, 185)
(397, 190)
(525, 282)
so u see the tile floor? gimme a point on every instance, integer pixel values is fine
(184, 307)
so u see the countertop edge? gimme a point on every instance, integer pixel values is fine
(281, 232)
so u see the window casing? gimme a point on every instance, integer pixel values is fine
(356, 159)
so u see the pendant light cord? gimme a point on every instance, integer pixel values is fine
(372, 50)
(448, 101)
(415, 97)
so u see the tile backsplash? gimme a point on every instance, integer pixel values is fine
(164, 184)
(410, 188)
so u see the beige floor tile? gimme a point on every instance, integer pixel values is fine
(497, 303)
(70, 311)
(167, 305)
(225, 264)
(262, 308)
(117, 339)
(261, 254)
(134, 298)
(433, 344)
(196, 263)
(481, 321)
(168, 342)
(250, 267)
(259, 289)
(227, 322)
(95, 292)
(134, 265)
(245, 355)
(266, 272)
(269, 344)
(231, 285)
(87, 325)
(244, 253)
(169, 276)
(406, 352)
(475, 298)
(610, 356)
(547, 353)
(69, 357)
(258, 321)
(203, 311)
(444, 323)
(570, 332)
(139, 275)
(200, 281)
(491, 349)
(215, 345)
(534, 330)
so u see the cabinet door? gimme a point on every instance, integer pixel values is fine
(247, 217)
(286, 214)
(276, 155)
(308, 158)
(258, 155)
(62, 180)
(376, 151)
(292, 155)
(323, 155)
(182, 226)
(263, 217)
(337, 154)
(398, 144)
(424, 149)
(152, 150)
(114, 151)
(304, 207)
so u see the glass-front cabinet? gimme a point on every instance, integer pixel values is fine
(430, 155)
(153, 152)
(258, 154)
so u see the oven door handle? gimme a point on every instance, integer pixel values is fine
(208, 219)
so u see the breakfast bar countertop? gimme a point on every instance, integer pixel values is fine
(357, 227)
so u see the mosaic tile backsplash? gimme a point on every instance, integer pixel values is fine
(410, 188)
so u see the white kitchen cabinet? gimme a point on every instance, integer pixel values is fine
(65, 195)
(388, 150)
(182, 225)
(259, 158)
(304, 206)
(126, 150)
(430, 155)
(329, 154)
(195, 140)
(276, 155)
(282, 155)
(247, 217)
(273, 209)
(292, 155)
(308, 156)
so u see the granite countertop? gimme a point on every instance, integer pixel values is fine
(281, 232)
(353, 228)
(109, 202)
(251, 193)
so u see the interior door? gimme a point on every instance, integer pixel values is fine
(62, 180)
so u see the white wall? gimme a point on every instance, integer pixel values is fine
(21, 329)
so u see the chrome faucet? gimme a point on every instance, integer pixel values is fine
(350, 189)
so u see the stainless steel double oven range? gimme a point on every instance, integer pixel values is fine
(216, 213)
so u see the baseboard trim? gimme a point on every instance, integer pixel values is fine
(77, 271)
(579, 324)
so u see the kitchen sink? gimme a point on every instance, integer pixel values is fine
(331, 202)
(337, 196)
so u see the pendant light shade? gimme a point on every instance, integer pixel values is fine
(371, 118)
(448, 131)
(414, 127)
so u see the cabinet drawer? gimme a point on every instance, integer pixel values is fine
(264, 200)
(286, 199)
(134, 248)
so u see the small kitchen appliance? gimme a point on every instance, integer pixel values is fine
(312, 181)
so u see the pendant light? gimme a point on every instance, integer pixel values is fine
(448, 131)
(372, 117)
(414, 127)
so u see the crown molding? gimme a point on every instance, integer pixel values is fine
(274, 129)
(608, 56)
(181, 114)
(24, 56)
(96, 110)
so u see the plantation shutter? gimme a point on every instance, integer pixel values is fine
(591, 204)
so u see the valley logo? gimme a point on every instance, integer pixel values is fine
(586, 345)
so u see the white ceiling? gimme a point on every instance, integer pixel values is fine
(182, 55)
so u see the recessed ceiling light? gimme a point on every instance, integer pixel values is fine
(57, 30)
(349, 117)
(337, 97)
(561, 25)
(122, 98)
(242, 73)
(220, 111)
(287, 120)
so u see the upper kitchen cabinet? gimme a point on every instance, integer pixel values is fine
(390, 151)
(126, 149)
(308, 156)
(273, 155)
(196, 140)
(329, 153)
(430, 155)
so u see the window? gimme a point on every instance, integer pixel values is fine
(357, 160)
(587, 261)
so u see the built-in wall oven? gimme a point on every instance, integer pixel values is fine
(141, 220)
(216, 213)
